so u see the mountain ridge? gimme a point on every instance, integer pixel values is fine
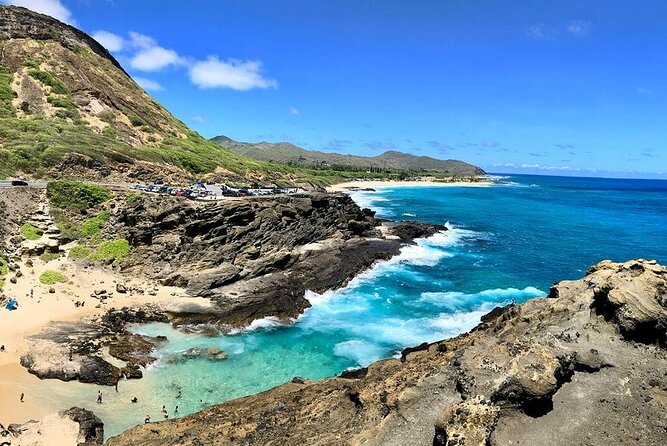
(285, 152)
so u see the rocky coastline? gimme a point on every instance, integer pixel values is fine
(237, 261)
(584, 366)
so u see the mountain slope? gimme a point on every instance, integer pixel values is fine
(391, 160)
(68, 108)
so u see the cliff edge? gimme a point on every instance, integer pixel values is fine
(584, 366)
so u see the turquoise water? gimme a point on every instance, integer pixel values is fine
(506, 242)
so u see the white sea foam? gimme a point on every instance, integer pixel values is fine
(361, 351)
(407, 214)
(455, 299)
(265, 323)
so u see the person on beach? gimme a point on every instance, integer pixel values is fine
(134, 400)
(116, 386)
(22, 395)
(99, 397)
(2, 348)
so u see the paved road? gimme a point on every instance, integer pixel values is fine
(35, 184)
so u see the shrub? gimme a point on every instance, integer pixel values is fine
(48, 256)
(30, 232)
(75, 195)
(91, 227)
(50, 79)
(132, 198)
(4, 269)
(49, 277)
(116, 250)
(6, 93)
(58, 101)
(135, 120)
(80, 252)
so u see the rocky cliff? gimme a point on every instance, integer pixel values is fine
(585, 366)
(248, 259)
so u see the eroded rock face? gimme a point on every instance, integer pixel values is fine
(549, 372)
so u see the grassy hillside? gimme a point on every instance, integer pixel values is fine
(67, 108)
(391, 161)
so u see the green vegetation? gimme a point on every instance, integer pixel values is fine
(48, 256)
(70, 194)
(50, 79)
(135, 120)
(6, 93)
(4, 270)
(116, 250)
(50, 277)
(132, 198)
(30, 232)
(80, 252)
(91, 228)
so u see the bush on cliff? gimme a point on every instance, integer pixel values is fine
(112, 250)
(29, 232)
(76, 195)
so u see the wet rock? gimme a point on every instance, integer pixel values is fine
(91, 428)
(120, 288)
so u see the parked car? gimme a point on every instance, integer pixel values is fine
(19, 183)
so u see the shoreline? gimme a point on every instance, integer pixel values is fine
(352, 186)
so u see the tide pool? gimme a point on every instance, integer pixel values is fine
(504, 242)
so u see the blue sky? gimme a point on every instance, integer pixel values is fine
(560, 87)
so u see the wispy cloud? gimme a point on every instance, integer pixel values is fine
(381, 145)
(148, 84)
(440, 147)
(574, 28)
(565, 146)
(232, 73)
(294, 111)
(648, 153)
(199, 119)
(53, 8)
(536, 154)
(338, 144)
(579, 28)
(151, 56)
(112, 42)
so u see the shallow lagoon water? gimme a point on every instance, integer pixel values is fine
(505, 242)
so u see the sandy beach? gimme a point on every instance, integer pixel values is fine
(43, 308)
(350, 185)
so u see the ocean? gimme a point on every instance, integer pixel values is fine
(505, 242)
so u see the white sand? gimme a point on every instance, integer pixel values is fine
(345, 187)
(43, 308)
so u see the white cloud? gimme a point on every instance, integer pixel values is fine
(151, 56)
(148, 84)
(110, 41)
(199, 119)
(579, 28)
(54, 8)
(539, 31)
(294, 111)
(232, 73)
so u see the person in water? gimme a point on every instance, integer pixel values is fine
(134, 400)
(147, 419)
(178, 395)
(176, 409)
(99, 397)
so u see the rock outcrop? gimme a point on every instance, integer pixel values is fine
(585, 366)
(75, 427)
(257, 257)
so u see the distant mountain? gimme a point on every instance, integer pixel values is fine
(287, 153)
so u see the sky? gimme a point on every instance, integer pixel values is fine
(567, 87)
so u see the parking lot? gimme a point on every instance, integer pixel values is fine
(209, 191)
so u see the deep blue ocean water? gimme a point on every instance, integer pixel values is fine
(505, 242)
